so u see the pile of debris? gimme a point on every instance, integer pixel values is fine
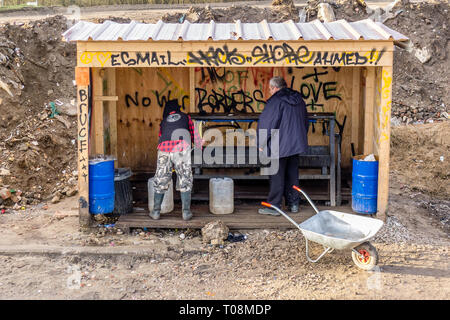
(38, 113)
(422, 68)
(284, 10)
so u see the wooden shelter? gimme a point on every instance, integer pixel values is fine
(126, 72)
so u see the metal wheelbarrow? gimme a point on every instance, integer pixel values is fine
(340, 231)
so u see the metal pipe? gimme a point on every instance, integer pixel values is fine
(307, 198)
(281, 212)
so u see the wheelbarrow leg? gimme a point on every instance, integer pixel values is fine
(325, 251)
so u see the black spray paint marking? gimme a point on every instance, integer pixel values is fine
(146, 58)
(238, 101)
(83, 131)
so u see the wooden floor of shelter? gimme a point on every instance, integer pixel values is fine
(245, 216)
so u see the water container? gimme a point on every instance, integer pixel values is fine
(167, 204)
(364, 185)
(221, 195)
(101, 185)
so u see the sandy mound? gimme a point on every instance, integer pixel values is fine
(38, 150)
(420, 157)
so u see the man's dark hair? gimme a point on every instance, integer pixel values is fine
(278, 82)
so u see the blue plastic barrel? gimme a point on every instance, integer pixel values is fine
(364, 185)
(101, 186)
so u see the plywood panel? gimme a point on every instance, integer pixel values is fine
(244, 90)
(142, 94)
(234, 53)
(356, 107)
(98, 120)
(110, 90)
(369, 102)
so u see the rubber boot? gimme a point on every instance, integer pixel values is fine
(157, 201)
(186, 205)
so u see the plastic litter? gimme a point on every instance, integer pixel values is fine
(100, 158)
(370, 157)
(109, 225)
(54, 111)
(236, 237)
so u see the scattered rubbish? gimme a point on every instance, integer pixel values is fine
(106, 225)
(441, 158)
(54, 111)
(5, 193)
(424, 55)
(6, 88)
(325, 12)
(302, 16)
(236, 237)
(370, 157)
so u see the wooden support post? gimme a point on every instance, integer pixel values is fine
(82, 80)
(192, 90)
(356, 108)
(383, 140)
(112, 108)
(369, 102)
(97, 111)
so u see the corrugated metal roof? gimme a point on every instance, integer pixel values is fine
(315, 30)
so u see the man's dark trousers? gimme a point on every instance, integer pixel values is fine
(281, 183)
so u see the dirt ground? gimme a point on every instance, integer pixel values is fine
(44, 255)
(51, 259)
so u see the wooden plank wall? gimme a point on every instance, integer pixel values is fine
(142, 93)
(323, 89)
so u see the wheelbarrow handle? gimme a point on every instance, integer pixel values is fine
(307, 198)
(266, 204)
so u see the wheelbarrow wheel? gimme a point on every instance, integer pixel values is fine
(368, 257)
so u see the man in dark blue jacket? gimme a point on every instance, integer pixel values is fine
(285, 120)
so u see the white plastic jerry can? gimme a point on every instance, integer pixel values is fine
(221, 195)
